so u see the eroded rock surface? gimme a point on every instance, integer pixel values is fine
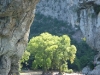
(16, 17)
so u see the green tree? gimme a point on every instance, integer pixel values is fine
(24, 58)
(51, 51)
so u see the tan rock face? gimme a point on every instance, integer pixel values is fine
(16, 17)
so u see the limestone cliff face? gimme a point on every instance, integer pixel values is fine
(60, 9)
(16, 17)
(76, 12)
(85, 13)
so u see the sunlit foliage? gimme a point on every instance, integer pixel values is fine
(50, 51)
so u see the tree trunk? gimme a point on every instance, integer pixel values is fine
(44, 72)
(60, 73)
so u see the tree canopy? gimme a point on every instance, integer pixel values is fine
(51, 52)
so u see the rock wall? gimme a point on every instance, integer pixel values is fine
(16, 17)
(60, 9)
(76, 12)
(85, 13)
(90, 26)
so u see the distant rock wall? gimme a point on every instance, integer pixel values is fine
(16, 17)
(60, 9)
(85, 13)
(76, 12)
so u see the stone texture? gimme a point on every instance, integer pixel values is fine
(86, 70)
(95, 71)
(16, 17)
(60, 9)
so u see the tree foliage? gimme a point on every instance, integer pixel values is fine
(24, 58)
(50, 51)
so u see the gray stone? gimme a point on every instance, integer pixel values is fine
(16, 17)
(95, 71)
(86, 70)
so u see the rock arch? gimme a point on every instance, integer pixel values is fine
(16, 17)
